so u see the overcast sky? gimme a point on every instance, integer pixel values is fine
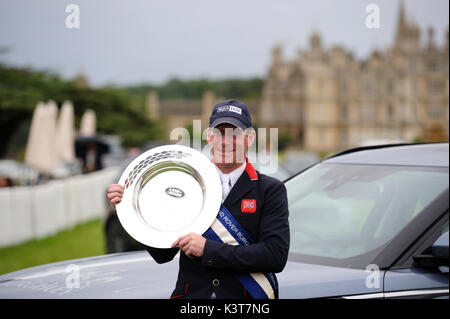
(135, 41)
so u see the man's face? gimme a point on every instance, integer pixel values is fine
(229, 144)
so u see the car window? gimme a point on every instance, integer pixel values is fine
(344, 210)
(444, 228)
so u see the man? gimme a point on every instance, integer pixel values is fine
(258, 203)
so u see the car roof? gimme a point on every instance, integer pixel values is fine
(426, 154)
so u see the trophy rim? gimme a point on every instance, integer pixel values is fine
(153, 164)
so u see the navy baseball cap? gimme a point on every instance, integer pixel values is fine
(233, 112)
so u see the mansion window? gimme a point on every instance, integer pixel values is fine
(433, 65)
(269, 113)
(369, 88)
(368, 113)
(390, 113)
(390, 87)
(321, 136)
(344, 113)
(436, 111)
(344, 138)
(321, 113)
(343, 88)
(435, 87)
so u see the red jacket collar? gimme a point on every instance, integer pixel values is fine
(251, 171)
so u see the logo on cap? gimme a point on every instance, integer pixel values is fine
(229, 108)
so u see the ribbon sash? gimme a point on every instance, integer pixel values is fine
(226, 229)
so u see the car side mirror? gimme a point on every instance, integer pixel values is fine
(439, 254)
(440, 248)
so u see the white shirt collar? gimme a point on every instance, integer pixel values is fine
(234, 175)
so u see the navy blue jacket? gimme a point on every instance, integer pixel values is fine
(267, 225)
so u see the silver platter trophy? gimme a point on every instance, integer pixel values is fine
(169, 191)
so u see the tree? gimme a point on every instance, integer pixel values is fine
(117, 113)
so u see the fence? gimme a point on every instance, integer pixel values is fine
(39, 211)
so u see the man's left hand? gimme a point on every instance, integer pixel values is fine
(192, 244)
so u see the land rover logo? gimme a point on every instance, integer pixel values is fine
(174, 192)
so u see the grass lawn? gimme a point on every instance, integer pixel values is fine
(81, 241)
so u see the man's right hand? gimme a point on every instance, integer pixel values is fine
(115, 193)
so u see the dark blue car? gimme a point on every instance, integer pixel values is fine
(365, 223)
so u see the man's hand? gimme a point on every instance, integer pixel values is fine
(192, 244)
(115, 193)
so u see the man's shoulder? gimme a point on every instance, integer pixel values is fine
(272, 190)
(269, 181)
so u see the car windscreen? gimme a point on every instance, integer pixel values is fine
(338, 212)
